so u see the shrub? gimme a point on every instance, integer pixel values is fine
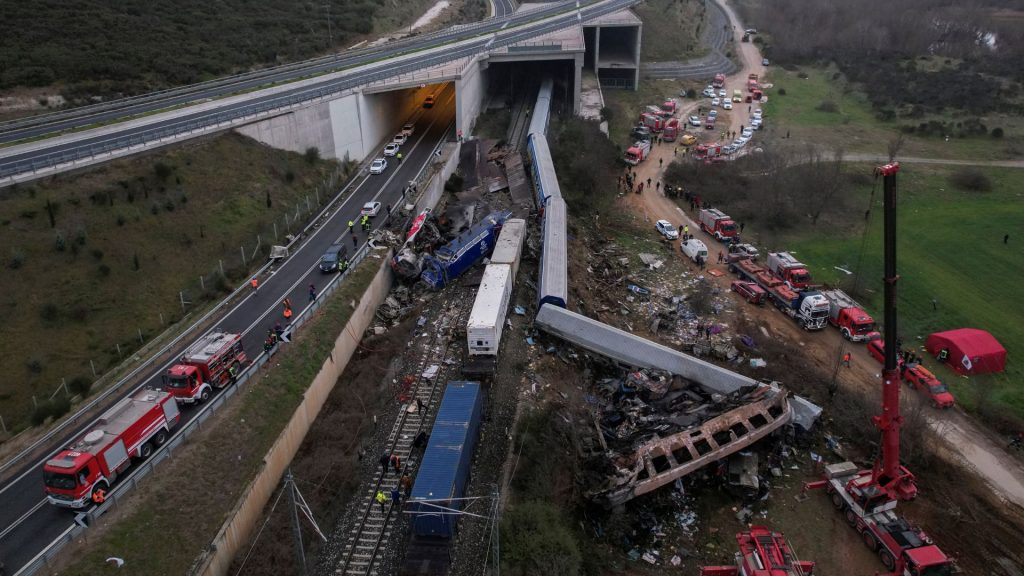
(454, 183)
(537, 540)
(80, 385)
(169, 205)
(997, 132)
(607, 113)
(34, 365)
(135, 261)
(312, 155)
(289, 176)
(120, 220)
(50, 409)
(827, 106)
(17, 259)
(802, 75)
(163, 170)
(971, 179)
(781, 92)
(691, 93)
(59, 243)
(49, 312)
(97, 253)
(104, 270)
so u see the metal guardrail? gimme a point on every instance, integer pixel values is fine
(148, 364)
(280, 103)
(312, 65)
(122, 488)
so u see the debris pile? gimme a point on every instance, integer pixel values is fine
(652, 428)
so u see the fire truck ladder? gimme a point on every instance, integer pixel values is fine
(374, 529)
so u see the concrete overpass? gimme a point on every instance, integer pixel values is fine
(347, 113)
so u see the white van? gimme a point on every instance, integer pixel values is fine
(693, 248)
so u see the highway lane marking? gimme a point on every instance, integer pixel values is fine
(34, 468)
(24, 516)
(44, 551)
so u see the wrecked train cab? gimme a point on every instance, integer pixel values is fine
(661, 461)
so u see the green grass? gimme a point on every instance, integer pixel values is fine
(84, 300)
(855, 128)
(671, 29)
(167, 528)
(951, 250)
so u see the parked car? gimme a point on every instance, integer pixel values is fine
(715, 101)
(876, 349)
(391, 149)
(666, 229)
(756, 124)
(749, 291)
(729, 149)
(688, 139)
(400, 138)
(408, 129)
(334, 258)
(370, 209)
(764, 62)
(709, 91)
(378, 166)
(695, 121)
(713, 114)
(726, 104)
(750, 31)
(920, 378)
(748, 132)
(428, 102)
(756, 113)
(722, 94)
(743, 139)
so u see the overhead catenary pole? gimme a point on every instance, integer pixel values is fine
(300, 554)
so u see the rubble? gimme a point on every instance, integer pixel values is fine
(654, 429)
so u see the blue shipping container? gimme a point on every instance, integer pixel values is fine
(447, 461)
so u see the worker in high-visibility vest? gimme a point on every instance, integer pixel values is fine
(99, 495)
(255, 284)
(287, 308)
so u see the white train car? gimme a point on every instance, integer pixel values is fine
(509, 247)
(486, 320)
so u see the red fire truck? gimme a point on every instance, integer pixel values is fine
(212, 362)
(133, 428)
(762, 553)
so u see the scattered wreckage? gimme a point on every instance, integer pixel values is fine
(673, 415)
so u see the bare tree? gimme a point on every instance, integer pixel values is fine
(894, 147)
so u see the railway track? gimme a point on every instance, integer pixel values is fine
(375, 527)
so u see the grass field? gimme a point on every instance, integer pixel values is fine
(950, 250)
(122, 241)
(671, 29)
(854, 127)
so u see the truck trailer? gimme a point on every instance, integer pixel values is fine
(212, 362)
(808, 308)
(134, 427)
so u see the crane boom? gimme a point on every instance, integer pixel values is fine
(888, 474)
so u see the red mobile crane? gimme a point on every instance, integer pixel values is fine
(762, 553)
(868, 497)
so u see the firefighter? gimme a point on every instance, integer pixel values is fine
(846, 359)
(255, 284)
(287, 303)
(233, 371)
(99, 495)
(366, 222)
(278, 330)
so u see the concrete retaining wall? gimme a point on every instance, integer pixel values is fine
(469, 96)
(241, 522)
(238, 528)
(297, 130)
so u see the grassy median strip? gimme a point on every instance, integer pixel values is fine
(177, 511)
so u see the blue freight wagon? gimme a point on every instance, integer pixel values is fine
(444, 472)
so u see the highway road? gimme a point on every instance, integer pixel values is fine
(503, 7)
(30, 524)
(13, 162)
(77, 118)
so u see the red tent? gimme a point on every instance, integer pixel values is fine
(970, 351)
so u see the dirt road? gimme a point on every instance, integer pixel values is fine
(975, 447)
